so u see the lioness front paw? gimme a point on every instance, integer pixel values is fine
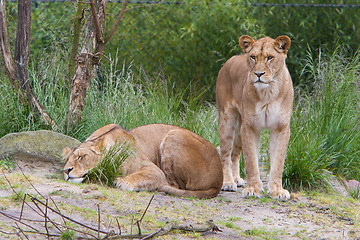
(124, 185)
(229, 186)
(281, 194)
(239, 181)
(252, 192)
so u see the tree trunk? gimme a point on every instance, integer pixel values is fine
(5, 46)
(85, 65)
(18, 70)
(75, 45)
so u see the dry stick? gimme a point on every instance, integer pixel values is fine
(68, 218)
(57, 212)
(22, 206)
(152, 234)
(17, 220)
(46, 217)
(25, 201)
(40, 233)
(29, 181)
(147, 207)
(21, 231)
(132, 223)
(117, 221)
(37, 231)
(12, 188)
(98, 205)
(65, 223)
(7, 233)
(109, 226)
(17, 233)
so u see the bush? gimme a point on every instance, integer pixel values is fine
(190, 41)
(317, 27)
(325, 124)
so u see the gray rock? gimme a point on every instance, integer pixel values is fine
(36, 146)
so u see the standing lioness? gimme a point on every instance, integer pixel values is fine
(254, 91)
(167, 158)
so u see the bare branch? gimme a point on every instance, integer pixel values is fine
(112, 31)
(147, 207)
(46, 218)
(117, 221)
(98, 206)
(22, 231)
(17, 220)
(99, 37)
(27, 179)
(68, 218)
(12, 188)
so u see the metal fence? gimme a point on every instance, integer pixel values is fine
(176, 38)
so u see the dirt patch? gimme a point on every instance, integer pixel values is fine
(316, 216)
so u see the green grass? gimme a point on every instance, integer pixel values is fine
(7, 164)
(67, 235)
(325, 125)
(108, 168)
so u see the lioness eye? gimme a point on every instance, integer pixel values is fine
(269, 58)
(252, 58)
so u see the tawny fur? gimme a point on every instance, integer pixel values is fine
(167, 158)
(253, 92)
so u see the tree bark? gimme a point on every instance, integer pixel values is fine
(75, 45)
(5, 47)
(18, 70)
(86, 62)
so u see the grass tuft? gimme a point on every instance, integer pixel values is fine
(108, 168)
(7, 164)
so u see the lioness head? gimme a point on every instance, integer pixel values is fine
(265, 58)
(80, 159)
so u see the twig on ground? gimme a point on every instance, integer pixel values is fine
(208, 226)
(21, 232)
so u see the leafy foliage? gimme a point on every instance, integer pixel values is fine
(317, 27)
(190, 41)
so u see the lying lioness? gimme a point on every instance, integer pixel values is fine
(167, 158)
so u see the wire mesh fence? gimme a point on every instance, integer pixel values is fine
(190, 40)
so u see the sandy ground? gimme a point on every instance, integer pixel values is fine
(306, 216)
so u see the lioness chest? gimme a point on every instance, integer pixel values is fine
(266, 115)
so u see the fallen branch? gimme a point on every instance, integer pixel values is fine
(43, 209)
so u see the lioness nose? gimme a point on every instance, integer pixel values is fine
(68, 170)
(259, 74)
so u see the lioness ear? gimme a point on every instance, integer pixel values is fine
(246, 43)
(282, 44)
(66, 151)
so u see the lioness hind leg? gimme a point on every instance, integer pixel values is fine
(148, 178)
(228, 120)
(235, 158)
